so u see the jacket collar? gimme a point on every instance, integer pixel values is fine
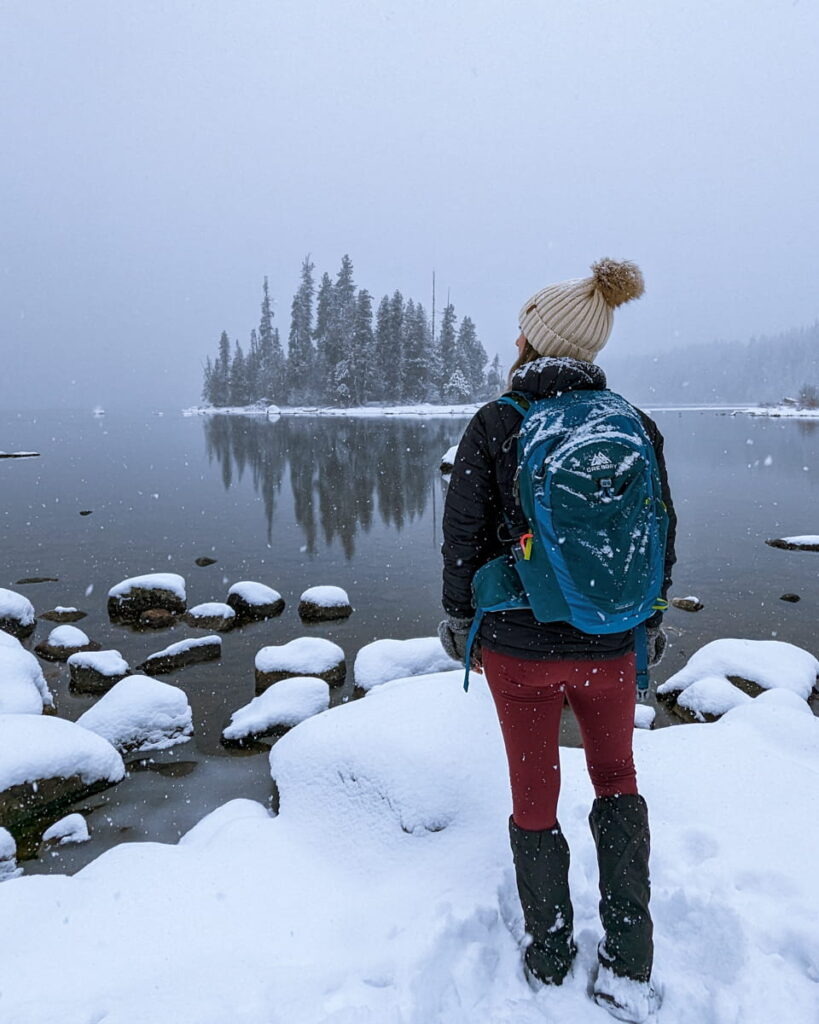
(550, 375)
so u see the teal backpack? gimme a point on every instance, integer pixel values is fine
(589, 488)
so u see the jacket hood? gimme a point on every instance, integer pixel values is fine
(551, 375)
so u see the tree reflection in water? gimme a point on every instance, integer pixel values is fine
(340, 469)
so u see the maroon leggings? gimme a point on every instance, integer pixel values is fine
(529, 697)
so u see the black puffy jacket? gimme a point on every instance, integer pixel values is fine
(480, 501)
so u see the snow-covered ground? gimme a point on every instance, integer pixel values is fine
(359, 412)
(790, 411)
(23, 689)
(383, 660)
(383, 891)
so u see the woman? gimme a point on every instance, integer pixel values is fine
(531, 667)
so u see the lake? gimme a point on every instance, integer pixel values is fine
(351, 502)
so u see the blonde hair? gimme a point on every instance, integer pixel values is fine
(528, 355)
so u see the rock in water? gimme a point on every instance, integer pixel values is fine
(278, 709)
(140, 714)
(182, 653)
(130, 598)
(16, 614)
(73, 828)
(96, 671)
(47, 763)
(8, 856)
(792, 598)
(324, 604)
(448, 460)
(156, 618)
(211, 615)
(254, 602)
(64, 641)
(687, 604)
(60, 614)
(305, 656)
(23, 689)
(204, 560)
(804, 543)
(383, 660)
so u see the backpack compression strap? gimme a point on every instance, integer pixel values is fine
(641, 651)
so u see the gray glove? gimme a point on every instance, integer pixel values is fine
(657, 640)
(453, 634)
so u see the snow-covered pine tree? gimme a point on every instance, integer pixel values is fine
(271, 356)
(393, 355)
(445, 352)
(470, 357)
(252, 368)
(417, 351)
(456, 389)
(300, 352)
(324, 312)
(362, 352)
(239, 394)
(494, 379)
(221, 372)
(339, 339)
(207, 382)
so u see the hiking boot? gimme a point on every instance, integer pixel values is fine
(624, 998)
(542, 870)
(619, 825)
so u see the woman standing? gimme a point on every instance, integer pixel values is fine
(532, 667)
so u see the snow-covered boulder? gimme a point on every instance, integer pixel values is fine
(211, 615)
(8, 856)
(726, 673)
(96, 671)
(304, 656)
(23, 689)
(448, 459)
(687, 604)
(807, 542)
(47, 762)
(182, 653)
(73, 828)
(279, 708)
(64, 614)
(383, 660)
(644, 716)
(64, 641)
(16, 614)
(254, 602)
(324, 604)
(139, 714)
(130, 598)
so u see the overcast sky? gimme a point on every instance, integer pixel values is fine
(158, 159)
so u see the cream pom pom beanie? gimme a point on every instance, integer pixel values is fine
(574, 318)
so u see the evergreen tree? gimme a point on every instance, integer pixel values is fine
(253, 368)
(494, 379)
(457, 388)
(300, 353)
(393, 355)
(470, 358)
(207, 382)
(416, 366)
(271, 356)
(445, 354)
(362, 350)
(221, 373)
(239, 394)
(381, 350)
(339, 337)
(324, 311)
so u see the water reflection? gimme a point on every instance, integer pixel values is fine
(341, 470)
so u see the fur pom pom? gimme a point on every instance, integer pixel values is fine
(618, 282)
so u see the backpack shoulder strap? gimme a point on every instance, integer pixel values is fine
(518, 400)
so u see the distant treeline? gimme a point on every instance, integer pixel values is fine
(762, 370)
(339, 354)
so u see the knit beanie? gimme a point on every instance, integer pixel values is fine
(574, 318)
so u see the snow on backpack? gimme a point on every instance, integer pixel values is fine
(589, 488)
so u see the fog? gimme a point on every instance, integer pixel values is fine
(158, 159)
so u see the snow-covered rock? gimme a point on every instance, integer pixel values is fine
(687, 604)
(64, 641)
(63, 614)
(129, 598)
(47, 762)
(324, 604)
(156, 618)
(806, 542)
(395, 900)
(281, 706)
(139, 714)
(254, 602)
(304, 656)
(448, 459)
(96, 671)
(211, 615)
(23, 689)
(724, 672)
(73, 828)
(16, 614)
(644, 715)
(182, 653)
(383, 660)
(8, 856)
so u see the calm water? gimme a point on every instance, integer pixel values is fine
(356, 503)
